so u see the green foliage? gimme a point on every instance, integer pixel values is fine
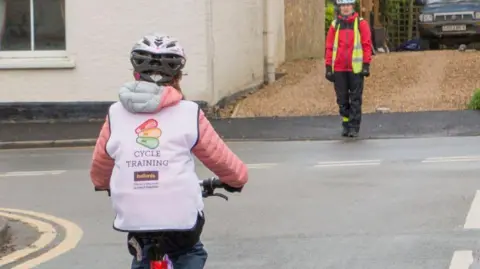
(475, 101)
(397, 8)
(329, 15)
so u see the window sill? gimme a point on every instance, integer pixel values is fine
(37, 63)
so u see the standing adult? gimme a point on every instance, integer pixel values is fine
(347, 60)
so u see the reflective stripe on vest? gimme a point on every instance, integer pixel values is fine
(153, 185)
(357, 55)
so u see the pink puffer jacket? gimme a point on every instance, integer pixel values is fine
(210, 149)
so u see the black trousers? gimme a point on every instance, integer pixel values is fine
(349, 91)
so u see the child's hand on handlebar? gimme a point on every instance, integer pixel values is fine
(232, 189)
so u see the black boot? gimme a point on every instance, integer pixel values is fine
(353, 132)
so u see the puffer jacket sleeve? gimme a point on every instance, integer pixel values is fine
(102, 164)
(216, 156)
(329, 42)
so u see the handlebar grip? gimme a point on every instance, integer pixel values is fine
(212, 183)
(217, 183)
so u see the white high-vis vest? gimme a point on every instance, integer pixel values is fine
(154, 186)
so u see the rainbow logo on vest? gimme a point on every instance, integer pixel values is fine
(148, 134)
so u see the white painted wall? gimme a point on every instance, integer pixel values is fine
(238, 61)
(279, 35)
(222, 38)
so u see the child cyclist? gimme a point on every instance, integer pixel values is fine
(144, 156)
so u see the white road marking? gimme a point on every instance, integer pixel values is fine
(261, 165)
(73, 234)
(271, 165)
(47, 235)
(348, 163)
(32, 173)
(473, 217)
(452, 159)
(462, 259)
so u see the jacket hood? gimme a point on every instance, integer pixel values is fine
(147, 97)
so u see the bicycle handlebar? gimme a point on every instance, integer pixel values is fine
(209, 185)
(208, 188)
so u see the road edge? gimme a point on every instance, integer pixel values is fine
(3, 231)
(23, 135)
(48, 143)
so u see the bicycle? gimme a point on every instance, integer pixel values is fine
(160, 260)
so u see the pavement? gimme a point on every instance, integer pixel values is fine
(3, 231)
(21, 235)
(54, 132)
(366, 204)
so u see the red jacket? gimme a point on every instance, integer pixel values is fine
(343, 61)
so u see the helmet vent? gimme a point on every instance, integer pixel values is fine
(146, 42)
(158, 42)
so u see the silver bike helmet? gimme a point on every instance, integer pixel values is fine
(158, 58)
(345, 2)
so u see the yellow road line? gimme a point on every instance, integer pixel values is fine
(47, 235)
(73, 235)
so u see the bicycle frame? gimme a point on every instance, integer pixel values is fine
(165, 263)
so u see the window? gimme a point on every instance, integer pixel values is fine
(32, 29)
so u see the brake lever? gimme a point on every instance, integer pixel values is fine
(221, 196)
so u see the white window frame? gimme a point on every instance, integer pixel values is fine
(31, 59)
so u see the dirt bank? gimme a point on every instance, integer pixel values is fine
(410, 81)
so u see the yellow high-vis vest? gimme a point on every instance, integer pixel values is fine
(357, 55)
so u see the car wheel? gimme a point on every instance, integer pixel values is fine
(434, 45)
(424, 44)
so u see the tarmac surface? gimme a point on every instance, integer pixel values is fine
(366, 204)
(377, 125)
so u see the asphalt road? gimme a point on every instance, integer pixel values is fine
(371, 204)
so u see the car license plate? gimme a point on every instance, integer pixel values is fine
(451, 28)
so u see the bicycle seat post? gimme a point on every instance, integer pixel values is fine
(157, 252)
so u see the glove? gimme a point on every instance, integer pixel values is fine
(232, 189)
(329, 73)
(366, 70)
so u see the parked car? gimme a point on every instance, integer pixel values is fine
(449, 22)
